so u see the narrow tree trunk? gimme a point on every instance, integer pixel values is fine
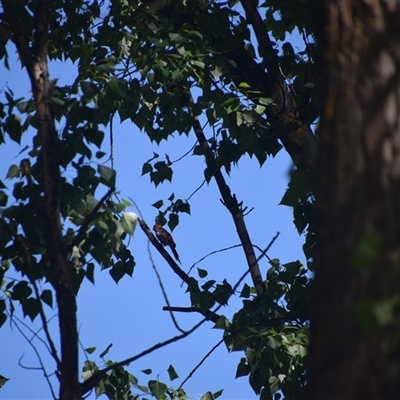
(355, 324)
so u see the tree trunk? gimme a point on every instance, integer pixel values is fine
(355, 335)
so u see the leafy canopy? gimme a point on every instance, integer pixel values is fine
(168, 67)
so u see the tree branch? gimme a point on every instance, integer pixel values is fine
(160, 248)
(231, 203)
(89, 218)
(35, 60)
(30, 275)
(210, 315)
(295, 135)
(96, 378)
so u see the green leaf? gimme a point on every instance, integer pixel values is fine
(13, 172)
(3, 380)
(245, 293)
(13, 127)
(117, 271)
(3, 315)
(147, 371)
(31, 307)
(94, 136)
(107, 175)
(173, 221)
(107, 349)
(266, 101)
(21, 291)
(158, 204)
(146, 168)
(207, 396)
(89, 89)
(129, 221)
(3, 198)
(100, 154)
(197, 63)
(47, 297)
(172, 373)
(157, 389)
(175, 37)
(90, 350)
(208, 285)
(90, 272)
(202, 272)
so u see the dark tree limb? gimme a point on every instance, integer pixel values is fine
(294, 133)
(35, 60)
(231, 203)
(210, 315)
(161, 249)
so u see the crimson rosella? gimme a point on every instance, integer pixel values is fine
(166, 239)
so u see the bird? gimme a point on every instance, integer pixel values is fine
(166, 239)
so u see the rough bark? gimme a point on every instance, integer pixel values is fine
(355, 350)
(34, 58)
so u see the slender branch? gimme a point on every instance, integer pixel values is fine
(213, 252)
(276, 268)
(96, 378)
(195, 191)
(42, 367)
(191, 373)
(175, 267)
(164, 292)
(89, 218)
(210, 315)
(34, 333)
(30, 275)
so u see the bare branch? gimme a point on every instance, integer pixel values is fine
(210, 315)
(191, 373)
(213, 252)
(42, 367)
(164, 292)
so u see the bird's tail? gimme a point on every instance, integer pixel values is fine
(176, 255)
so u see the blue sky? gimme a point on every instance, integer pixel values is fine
(129, 314)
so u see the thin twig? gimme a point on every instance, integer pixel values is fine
(175, 322)
(201, 362)
(196, 190)
(210, 254)
(39, 358)
(31, 278)
(89, 218)
(96, 378)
